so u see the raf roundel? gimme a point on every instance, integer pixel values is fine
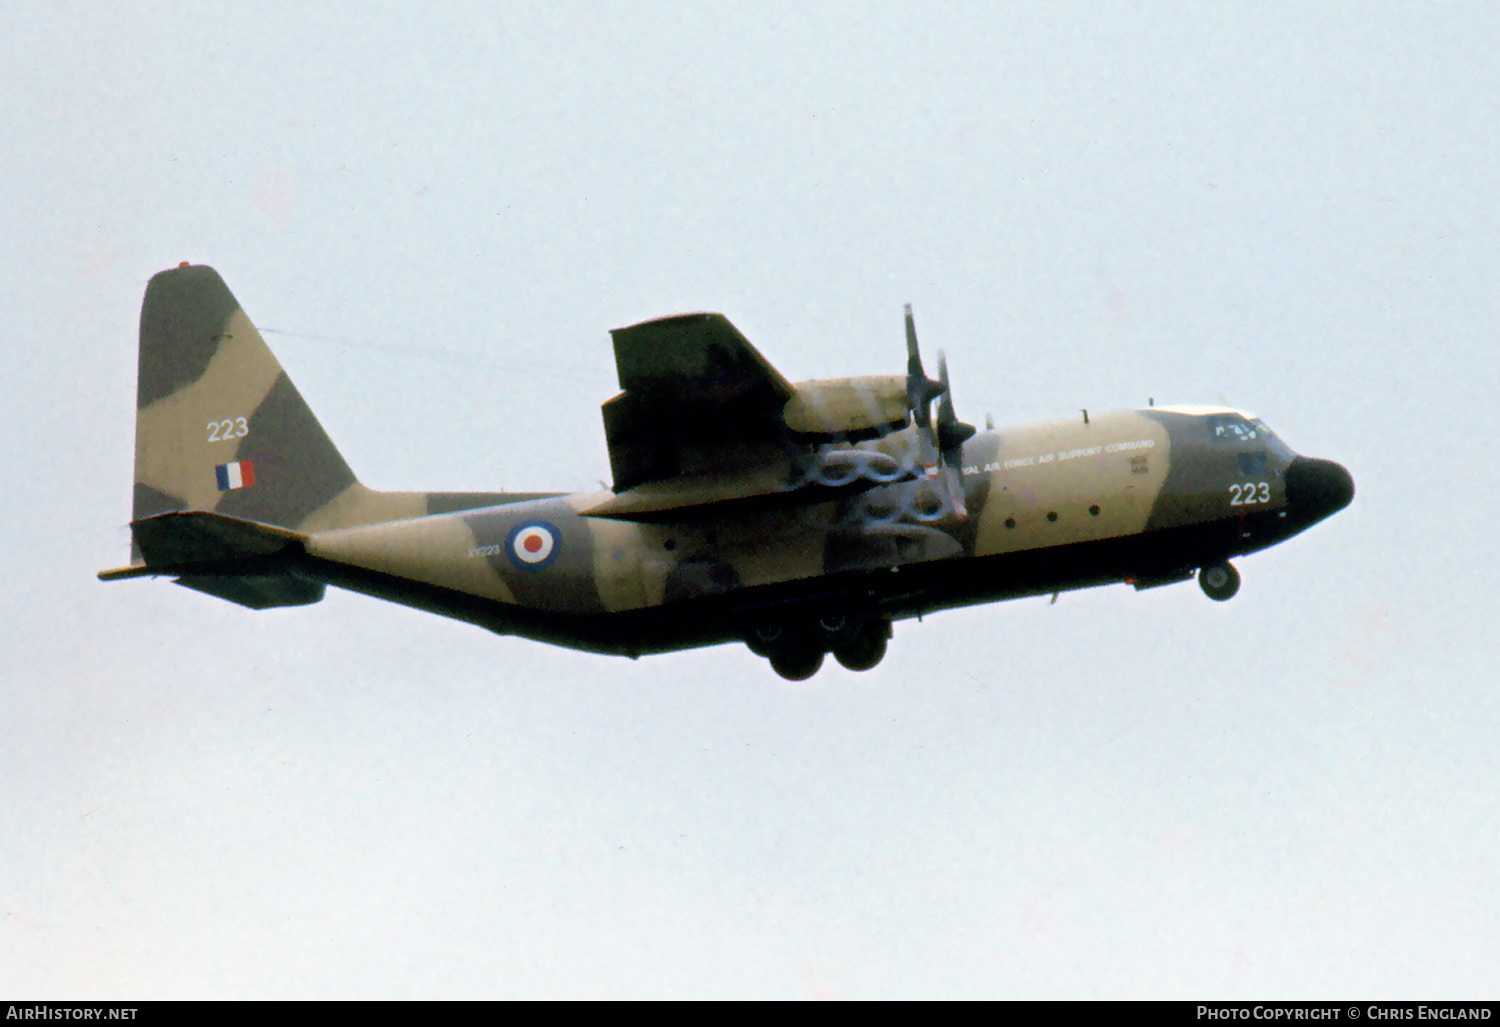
(533, 545)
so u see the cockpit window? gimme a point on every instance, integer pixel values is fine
(1273, 442)
(1233, 428)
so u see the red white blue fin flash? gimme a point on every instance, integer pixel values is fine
(238, 475)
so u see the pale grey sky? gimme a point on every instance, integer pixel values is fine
(441, 212)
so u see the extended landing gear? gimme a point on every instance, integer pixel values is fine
(797, 664)
(796, 652)
(866, 648)
(1219, 581)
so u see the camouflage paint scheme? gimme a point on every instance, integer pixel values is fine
(743, 503)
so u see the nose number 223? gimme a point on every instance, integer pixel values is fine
(1249, 493)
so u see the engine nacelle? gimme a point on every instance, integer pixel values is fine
(851, 408)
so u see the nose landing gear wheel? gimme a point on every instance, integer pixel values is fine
(1219, 581)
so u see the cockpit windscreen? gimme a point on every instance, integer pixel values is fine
(1233, 428)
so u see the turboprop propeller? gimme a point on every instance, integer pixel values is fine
(943, 444)
(933, 458)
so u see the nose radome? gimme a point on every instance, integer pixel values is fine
(1317, 488)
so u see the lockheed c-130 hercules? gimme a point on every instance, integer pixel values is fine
(799, 518)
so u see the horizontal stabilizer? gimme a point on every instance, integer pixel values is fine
(227, 557)
(177, 539)
(257, 591)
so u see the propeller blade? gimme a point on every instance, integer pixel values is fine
(913, 357)
(945, 408)
(953, 480)
(951, 436)
(951, 432)
(920, 389)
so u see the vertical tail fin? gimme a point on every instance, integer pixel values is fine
(219, 425)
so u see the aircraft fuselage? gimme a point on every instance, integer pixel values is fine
(1144, 497)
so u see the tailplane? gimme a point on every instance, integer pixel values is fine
(243, 561)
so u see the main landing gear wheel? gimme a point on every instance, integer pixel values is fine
(796, 648)
(865, 649)
(797, 664)
(835, 631)
(1219, 581)
(764, 639)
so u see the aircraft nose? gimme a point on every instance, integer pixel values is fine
(1317, 488)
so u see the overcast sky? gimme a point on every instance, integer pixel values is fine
(437, 212)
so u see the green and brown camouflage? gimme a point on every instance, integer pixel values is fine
(800, 518)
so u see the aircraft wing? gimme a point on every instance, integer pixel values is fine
(697, 400)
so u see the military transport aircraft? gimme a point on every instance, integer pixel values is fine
(798, 518)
